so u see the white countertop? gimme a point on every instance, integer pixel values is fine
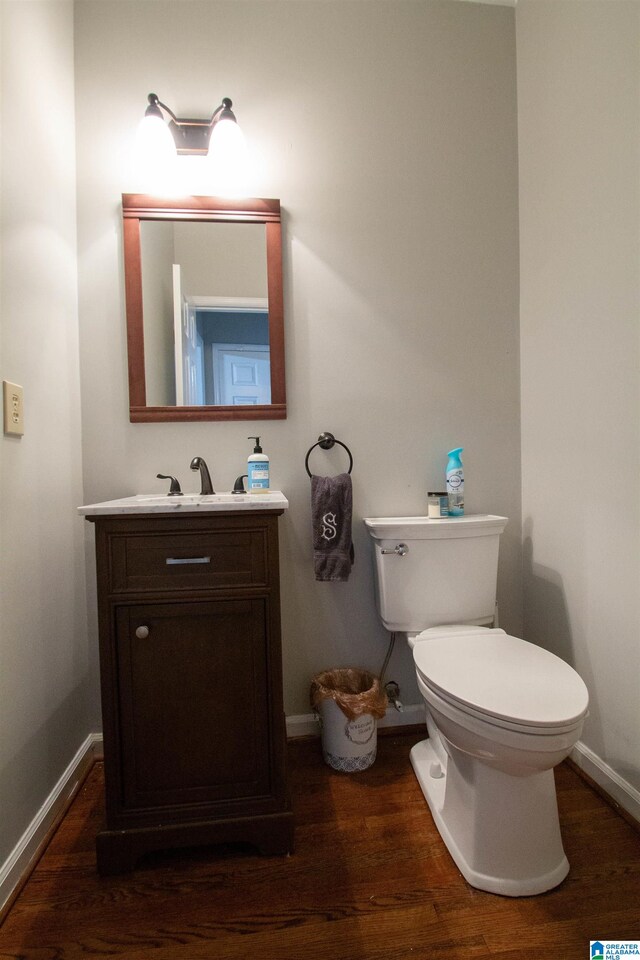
(188, 503)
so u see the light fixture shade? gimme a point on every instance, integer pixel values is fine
(154, 155)
(227, 159)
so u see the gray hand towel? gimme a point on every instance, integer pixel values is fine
(331, 503)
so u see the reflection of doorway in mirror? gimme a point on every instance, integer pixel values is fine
(237, 360)
(222, 355)
(241, 374)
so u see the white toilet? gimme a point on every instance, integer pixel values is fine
(501, 712)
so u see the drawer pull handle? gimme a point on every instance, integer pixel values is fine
(142, 633)
(173, 560)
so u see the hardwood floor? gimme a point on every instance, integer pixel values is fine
(370, 880)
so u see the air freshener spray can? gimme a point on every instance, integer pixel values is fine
(455, 483)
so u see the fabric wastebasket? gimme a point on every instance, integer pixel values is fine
(349, 702)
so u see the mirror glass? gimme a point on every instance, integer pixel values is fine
(204, 309)
(205, 313)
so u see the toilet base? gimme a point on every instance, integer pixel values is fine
(502, 831)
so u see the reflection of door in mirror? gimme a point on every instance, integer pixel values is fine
(204, 286)
(241, 374)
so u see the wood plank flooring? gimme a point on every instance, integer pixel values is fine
(370, 880)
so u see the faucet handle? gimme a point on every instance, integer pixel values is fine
(174, 489)
(238, 486)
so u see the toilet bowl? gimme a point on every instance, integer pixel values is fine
(506, 712)
(501, 712)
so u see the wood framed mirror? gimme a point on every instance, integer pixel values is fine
(204, 301)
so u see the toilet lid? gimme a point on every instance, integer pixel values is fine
(503, 677)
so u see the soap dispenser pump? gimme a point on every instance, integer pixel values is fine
(257, 469)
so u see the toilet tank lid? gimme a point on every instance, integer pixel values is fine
(503, 677)
(443, 528)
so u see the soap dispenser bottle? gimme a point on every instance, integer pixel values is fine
(455, 483)
(257, 469)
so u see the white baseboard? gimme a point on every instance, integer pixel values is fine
(29, 847)
(307, 725)
(611, 782)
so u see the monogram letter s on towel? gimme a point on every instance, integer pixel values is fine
(329, 528)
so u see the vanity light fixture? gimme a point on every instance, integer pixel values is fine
(193, 137)
(174, 156)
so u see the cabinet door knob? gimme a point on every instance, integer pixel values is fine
(142, 633)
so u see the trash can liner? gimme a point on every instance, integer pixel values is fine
(355, 691)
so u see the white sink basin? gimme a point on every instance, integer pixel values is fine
(422, 528)
(188, 503)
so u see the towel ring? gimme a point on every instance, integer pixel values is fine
(326, 441)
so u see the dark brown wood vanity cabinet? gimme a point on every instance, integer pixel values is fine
(191, 677)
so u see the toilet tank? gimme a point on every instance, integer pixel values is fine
(431, 572)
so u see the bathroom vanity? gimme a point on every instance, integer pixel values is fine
(191, 675)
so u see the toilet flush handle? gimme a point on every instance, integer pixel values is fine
(400, 549)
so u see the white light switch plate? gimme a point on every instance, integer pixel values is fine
(13, 408)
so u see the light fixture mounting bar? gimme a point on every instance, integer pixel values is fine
(191, 136)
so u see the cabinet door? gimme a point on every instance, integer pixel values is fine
(193, 711)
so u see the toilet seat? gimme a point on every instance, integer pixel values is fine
(500, 679)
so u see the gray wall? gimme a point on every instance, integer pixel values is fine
(579, 134)
(222, 259)
(388, 131)
(45, 670)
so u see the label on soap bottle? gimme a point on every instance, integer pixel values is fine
(258, 476)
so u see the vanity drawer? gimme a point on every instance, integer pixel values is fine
(187, 560)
